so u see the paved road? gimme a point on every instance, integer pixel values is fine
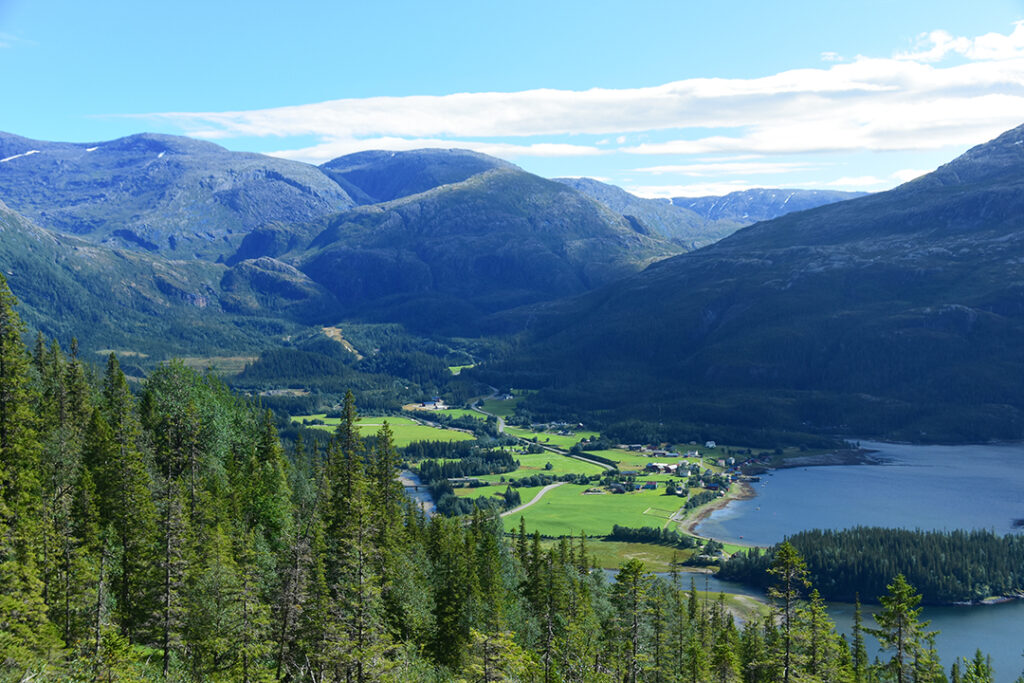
(535, 499)
(552, 449)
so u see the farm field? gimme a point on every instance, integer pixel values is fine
(567, 510)
(550, 438)
(658, 558)
(500, 407)
(405, 430)
(459, 412)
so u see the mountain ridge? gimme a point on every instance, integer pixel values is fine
(892, 315)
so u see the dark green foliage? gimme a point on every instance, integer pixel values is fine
(480, 463)
(659, 535)
(894, 314)
(174, 539)
(946, 566)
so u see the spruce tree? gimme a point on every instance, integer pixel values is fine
(790, 574)
(899, 629)
(27, 636)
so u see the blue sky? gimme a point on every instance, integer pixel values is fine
(662, 98)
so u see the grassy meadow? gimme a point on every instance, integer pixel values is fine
(405, 430)
(567, 510)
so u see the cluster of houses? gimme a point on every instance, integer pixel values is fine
(435, 403)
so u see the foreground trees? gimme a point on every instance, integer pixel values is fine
(170, 537)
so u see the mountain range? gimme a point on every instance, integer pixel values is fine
(179, 235)
(894, 315)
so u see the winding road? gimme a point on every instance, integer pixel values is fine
(535, 499)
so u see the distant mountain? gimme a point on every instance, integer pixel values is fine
(183, 240)
(895, 315)
(114, 297)
(750, 206)
(442, 258)
(159, 193)
(377, 176)
(657, 217)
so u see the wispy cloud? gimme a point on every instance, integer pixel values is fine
(906, 101)
(945, 92)
(339, 147)
(705, 168)
(691, 189)
(936, 45)
(8, 41)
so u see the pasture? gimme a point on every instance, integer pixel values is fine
(567, 510)
(404, 429)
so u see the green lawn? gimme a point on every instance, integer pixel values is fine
(460, 412)
(550, 438)
(499, 407)
(404, 429)
(657, 558)
(456, 369)
(533, 463)
(567, 511)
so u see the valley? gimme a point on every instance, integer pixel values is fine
(558, 368)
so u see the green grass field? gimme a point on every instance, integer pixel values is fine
(550, 438)
(657, 558)
(533, 463)
(460, 412)
(456, 369)
(404, 429)
(568, 511)
(499, 407)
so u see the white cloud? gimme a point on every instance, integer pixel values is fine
(691, 190)
(728, 168)
(908, 174)
(336, 148)
(906, 102)
(936, 45)
(832, 57)
(864, 182)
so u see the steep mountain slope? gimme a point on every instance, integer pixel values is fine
(898, 314)
(159, 193)
(111, 297)
(751, 206)
(378, 176)
(442, 258)
(657, 217)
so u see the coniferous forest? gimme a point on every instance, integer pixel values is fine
(945, 566)
(163, 533)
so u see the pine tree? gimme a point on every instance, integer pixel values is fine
(899, 628)
(27, 636)
(628, 595)
(858, 652)
(790, 573)
(978, 669)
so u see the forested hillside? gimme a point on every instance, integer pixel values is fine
(168, 536)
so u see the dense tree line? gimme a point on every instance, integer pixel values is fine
(165, 535)
(649, 534)
(477, 463)
(946, 566)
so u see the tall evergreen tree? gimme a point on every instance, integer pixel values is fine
(27, 636)
(899, 629)
(790, 574)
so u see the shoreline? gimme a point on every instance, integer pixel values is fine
(847, 456)
(690, 523)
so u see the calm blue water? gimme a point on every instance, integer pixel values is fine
(998, 630)
(926, 487)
